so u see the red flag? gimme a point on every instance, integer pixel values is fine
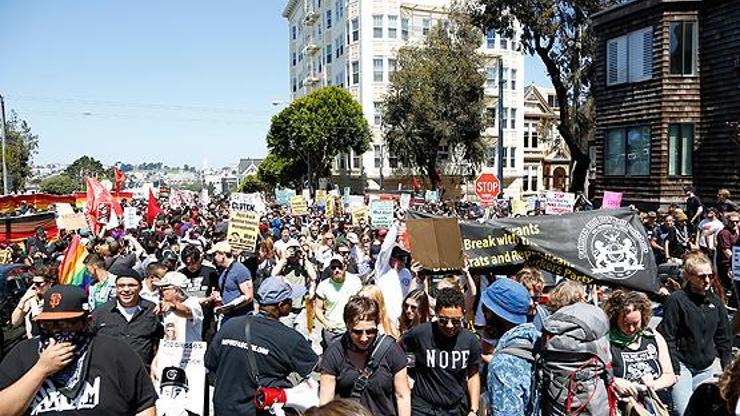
(119, 179)
(153, 210)
(415, 184)
(99, 205)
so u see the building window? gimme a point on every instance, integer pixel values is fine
(680, 149)
(328, 53)
(392, 26)
(356, 160)
(392, 66)
(378, 26)
(490, 38)
(378, 156)
(426, 23)
(328, 19)
(533, 178)
(551, 101)
(405, 28)
(526, 135)
(683, 48)
(512, 157)
(513, 118)
(339, 6)
(504, 158)
(535, 135)
(295, 85)
(504, 41)
(491, 77)
(512, 75)
(378, 113)
(505, 116)
(629, 58)
(627, 152)
(355, 72)
(443, 152)
(492, 116)
(378, 69)
(293, 58)
(293, 33)
(355, 29)
(525, 183)
(505, 77)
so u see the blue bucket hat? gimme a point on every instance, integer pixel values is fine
(273, 291)
(508, 299)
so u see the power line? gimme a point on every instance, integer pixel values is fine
(123, 116)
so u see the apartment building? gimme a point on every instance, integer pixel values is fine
(354, 44)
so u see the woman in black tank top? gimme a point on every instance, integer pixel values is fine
(640, 356)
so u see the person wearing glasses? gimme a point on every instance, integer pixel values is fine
(386, 391)
(332, 296)
(32, 301)
(696, 328)
(447, 360)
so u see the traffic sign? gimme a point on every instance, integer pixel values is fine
(487, 187)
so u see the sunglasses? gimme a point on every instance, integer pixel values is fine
(360, 332)
(444, 321)
(412, 307)
(39, 284)
(336, 266)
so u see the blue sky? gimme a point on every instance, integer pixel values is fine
(173, 81)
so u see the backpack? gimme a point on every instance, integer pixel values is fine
(574, 363)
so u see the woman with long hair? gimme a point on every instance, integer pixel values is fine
(373, 292)
(415, 310)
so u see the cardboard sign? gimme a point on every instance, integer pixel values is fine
(247, 203)
(243, 230)
(180, 378)
(64, 208)
(330, 207)
(382, 213)
(320, 197)
(611, 200)
(282, 196)
(360, 216)
(436, 243)
(518, 207)
(298, 205)
(736, 263)
(430, 196)
(130, 219)
(356, 201)
(71, 221)
(405, 201)
(559, 203)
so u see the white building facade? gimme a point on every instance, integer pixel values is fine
(354, 44)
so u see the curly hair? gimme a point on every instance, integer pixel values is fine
(531, 278)
(621, 301)
(449, 298)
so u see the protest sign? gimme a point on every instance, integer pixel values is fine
(736, 263)
(71, 221)
(298, 205)
(430, 196)
(356, 201)
(180, 377)
(282, 196)
(382, 213)
(320, 197)
(405, 201)
(436, 243)
(247, 202)
(518, 207)
(243, 230)
(330, 211)
(559, 203)
(130, 219)
(611, 247)
(63, 208)
(611, 200)
(360, 215)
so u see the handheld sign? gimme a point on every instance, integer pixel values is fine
(243, 230)
(487, 187)
(298, 205)
(382, 213)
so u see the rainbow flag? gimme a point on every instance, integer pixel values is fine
(72, 271)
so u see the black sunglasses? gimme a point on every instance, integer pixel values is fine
(446, 321)
(360, 332)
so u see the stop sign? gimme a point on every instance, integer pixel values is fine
(487, 187)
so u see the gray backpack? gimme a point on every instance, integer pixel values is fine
(575, 363)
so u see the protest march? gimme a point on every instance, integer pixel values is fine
(397, 303)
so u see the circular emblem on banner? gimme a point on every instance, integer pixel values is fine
(613, 247)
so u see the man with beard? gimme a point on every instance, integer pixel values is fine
(332, 296)
(70, 370)
(446, 359)
(128, 317)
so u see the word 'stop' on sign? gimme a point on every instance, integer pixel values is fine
(487, 187)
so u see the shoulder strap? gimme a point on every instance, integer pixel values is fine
(250, 354)
(381, 348)
(523, 351)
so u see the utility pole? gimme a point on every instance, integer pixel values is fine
(2, 137)
(500, 143)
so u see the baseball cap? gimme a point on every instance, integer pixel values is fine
(398, 251)
(175, 377)
(508, 299)
(176, 279)
(337, 258)
(64, 302)
(272, 291)
(220, 247)
(352, 238)
(652, 214)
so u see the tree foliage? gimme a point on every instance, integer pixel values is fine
(20, 147)
(436, 97)
(318, 127)
(59, 185)
(276, 170)
(252, 183)
(559, 33)
(86, 166)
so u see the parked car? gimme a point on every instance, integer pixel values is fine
(14, 282)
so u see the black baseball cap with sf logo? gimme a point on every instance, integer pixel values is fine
(64, 302)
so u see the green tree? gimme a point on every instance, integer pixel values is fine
(86, 166)
(252, 183)
(436, 98)
(317, 127)
(276, 170)
(559, 33)
(58, 185)
(20, 147)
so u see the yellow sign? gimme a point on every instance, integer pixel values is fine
(360, 214)
(320, 196)
(243, 230)
(330, 207)
(298, 205)
(518, 207)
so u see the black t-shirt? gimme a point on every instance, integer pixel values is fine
(278, 351)
(693, 204)
(441, 365)
(116, 384)
(378, 396)
(203, 281)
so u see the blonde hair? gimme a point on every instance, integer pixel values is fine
(339, 407)
(449, 281)
(566, 293)
(531, 278)
(373, 292)
(694, 260)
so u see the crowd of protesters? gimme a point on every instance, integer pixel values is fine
(339, 301)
